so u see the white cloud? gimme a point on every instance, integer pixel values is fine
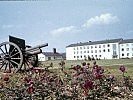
(103, 19)
(7, 26)
(63, 30)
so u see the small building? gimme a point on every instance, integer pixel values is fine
(44, 56)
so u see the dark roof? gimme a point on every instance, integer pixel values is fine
(51, 54)
(127, 41)
(96, 42)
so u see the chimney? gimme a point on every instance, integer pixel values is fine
(54, 50)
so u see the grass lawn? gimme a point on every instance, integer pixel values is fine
(111, 66)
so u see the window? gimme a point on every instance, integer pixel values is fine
(127, 54)
(122, 54)
(108, 45)
(77, 52)
(81, 56)
(122, 49)
(80, 47)
(73, 48)
(77, 56)
(91, 47)
(99, 50)
(91, 51)
(126, 44)
(74, 52)
(88, 47)
(100, 56)
(77, 48)
(84, 51)
(95, 55)
(87, 51)
(99, 46)
(103, 50)
(84, 47)
(81, 52)
(95, 51)
(104, 46)
(127, 49)
(74, 56)
(114, 47)
(95, 46)
(108, 50)
(132, 49)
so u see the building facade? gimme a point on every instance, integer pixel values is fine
(105, 49)
(44, 56)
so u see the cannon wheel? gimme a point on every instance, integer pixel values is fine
(11, 57)
(30, 61)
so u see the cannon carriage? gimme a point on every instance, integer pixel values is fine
(16, 56)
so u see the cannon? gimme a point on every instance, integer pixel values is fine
(16, 56)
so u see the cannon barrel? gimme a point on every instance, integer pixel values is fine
(37, 47)
(35, 50)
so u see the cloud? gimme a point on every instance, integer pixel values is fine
(103, 19)
(63, 30)
(7, 26)
(130, 32)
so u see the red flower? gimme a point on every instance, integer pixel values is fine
(30, 89)
(27, 80)
(122, 68)
(77, 67)
(98, 76)
(88, 85)
(98, 69)
(84, 63)
(94, 62)
(6, 78)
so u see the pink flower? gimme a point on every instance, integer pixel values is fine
(122, 68)
(36, 70)
(111, 77)
(88, 85)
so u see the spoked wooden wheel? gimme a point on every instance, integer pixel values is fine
(30, 61)
(11, 57)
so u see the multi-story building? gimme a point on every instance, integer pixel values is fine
(105, 49)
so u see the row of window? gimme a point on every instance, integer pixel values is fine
(92, 51)
(126, 44)
(126, 54)
(96, 56)
(127, 49)
(87, 47)
(85, 56)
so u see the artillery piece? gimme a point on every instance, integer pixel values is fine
(16, 56)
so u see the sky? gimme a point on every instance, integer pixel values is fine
(63, 22)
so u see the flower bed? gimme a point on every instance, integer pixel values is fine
(80, 82)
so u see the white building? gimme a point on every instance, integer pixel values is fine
(105, 49)
(44, 56)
